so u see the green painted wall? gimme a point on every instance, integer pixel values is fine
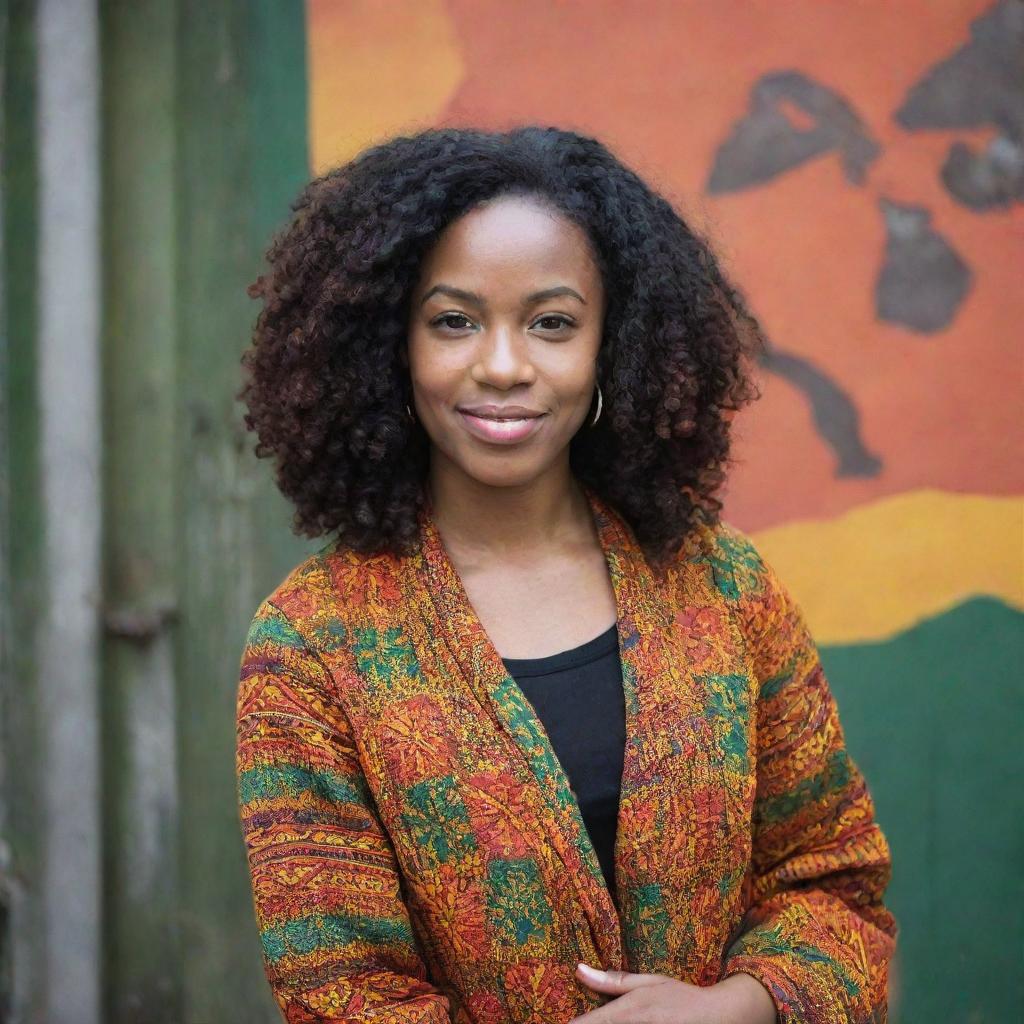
(204, 145)
(242, 158)
(933, 717)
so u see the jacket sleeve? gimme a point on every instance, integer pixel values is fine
(817, 934)
(337, 940)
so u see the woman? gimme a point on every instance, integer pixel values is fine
(534, 708)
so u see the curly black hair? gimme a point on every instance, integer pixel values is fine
(326, 391)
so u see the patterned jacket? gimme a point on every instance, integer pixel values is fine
(417, 852)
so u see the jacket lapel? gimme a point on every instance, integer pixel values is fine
(670, 783)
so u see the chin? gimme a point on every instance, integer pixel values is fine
(502, 468)
(498, 475)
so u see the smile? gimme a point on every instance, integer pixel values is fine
(501, 431)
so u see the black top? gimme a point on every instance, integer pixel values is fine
(578, 696)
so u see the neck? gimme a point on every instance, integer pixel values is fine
(478, 519)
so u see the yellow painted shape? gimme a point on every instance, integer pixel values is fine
(883, 567)
(375, 70)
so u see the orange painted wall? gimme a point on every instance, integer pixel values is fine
(925, 421)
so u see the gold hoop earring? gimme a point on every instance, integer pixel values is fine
(597, 415)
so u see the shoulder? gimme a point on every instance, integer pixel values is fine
(321, 597)
(734, 567)
(277, 632)
(772, 622)
(284, 673)
(733, 574)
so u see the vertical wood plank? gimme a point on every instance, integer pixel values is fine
(242, 157)
(67, 632)
(141, 945)
(22, 593)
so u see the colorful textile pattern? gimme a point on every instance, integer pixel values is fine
(418, 854)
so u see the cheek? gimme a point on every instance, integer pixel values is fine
(573, 378)
(430, 370)
(435, 382)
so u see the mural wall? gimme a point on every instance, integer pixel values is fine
(860, 169)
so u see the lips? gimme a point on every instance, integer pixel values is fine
(500, 412)
(504, 429)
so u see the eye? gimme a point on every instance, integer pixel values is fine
(445, 318)
(558, 321)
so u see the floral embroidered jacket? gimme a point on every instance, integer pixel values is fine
(416, 850)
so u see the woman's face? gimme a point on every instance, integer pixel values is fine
(504, 329)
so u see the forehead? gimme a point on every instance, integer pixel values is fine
(511, 238)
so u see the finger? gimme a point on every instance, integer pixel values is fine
(616, 981)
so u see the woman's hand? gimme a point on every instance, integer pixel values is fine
(657, 999)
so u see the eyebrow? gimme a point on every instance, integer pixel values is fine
(472, 297)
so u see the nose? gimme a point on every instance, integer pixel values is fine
(503, 358)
